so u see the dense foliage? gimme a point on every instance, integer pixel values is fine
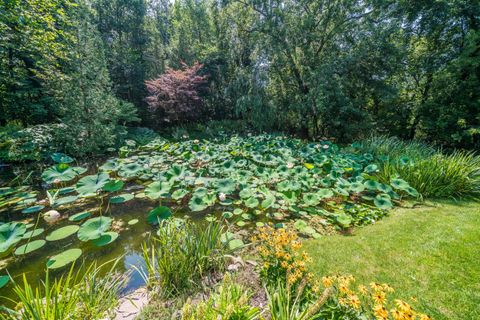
(318, 68)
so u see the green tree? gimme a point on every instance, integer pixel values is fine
(92, 118)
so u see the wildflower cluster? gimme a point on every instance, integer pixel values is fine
(281, 256)
(372, 300)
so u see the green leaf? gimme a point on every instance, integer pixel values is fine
(106, 238)
(62, 233)
(3, 281)
(80, 216)
(61, 158)
(94, 228)
(121, 198)
(90, 184)
(33, 209)
(113, 186)
(10, 234)
(33, 233)
(158, 189)
(64, 258)
(29, 247)
(159, 213)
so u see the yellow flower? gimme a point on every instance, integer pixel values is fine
(354, 301)
(381, 312)
(327, 282)
(425, 317)
(397, 315)
(343, 301)
(403, 306)
(362, 289)
(379, 297)
(376, 286)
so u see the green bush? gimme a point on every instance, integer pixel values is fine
(181, 254)
(392, 148)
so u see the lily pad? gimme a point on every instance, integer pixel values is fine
(62, 233)
(80, 216)
(64, 258)
(65, 200)
(10, 234)
(61, 158)
(121, 198)
(113, 185)
(90, 184)
(3, 281)
(29, 247)
(33, 209)
(132, 222)
(158, 189)
(94, 228)
(33, 233)
(106, 238)
(159, 213)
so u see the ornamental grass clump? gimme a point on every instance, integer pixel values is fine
(181, 254)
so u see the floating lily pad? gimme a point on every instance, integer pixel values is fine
(158, 189)
(113, 185)
(121, 198)
(94, 228)
(132, 222)
(90, 184)
(80, 216)
(33, 209)
(29, 247)
(3, 281)
(33, 233)
(106, 238)
(61, 158)
(62, 233)
(65, 200)
(10, 234)
(159, 213)
(64, 258)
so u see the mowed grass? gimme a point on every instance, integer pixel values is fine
(430, 253)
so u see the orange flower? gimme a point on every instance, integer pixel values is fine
(379, 297)
(327, 282)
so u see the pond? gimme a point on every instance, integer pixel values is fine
(108, 210)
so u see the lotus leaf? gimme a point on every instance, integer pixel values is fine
(251, 202)
(10, 234)
(311, 199)
(179, 194)
(382, 203)
(325, 193)
(197, 204)
(132, 222)
(33, 209)
(113, 185)
(399, 184)
(29, 247)
(159, 213)
(106, 238)
(158, 189)
(121, 198)
(3, 281)
(61, 158)
(33, 233)
(65, 200)
(94, 228)
(80, 216)
(61, 174)
(64, 258)
(62, 233)
(91, 184)
(226, 186)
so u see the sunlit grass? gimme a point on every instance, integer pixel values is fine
(429, 253)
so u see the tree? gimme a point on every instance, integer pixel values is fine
(92, 118)
(177, 94)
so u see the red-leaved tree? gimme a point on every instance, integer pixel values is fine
(175, 95)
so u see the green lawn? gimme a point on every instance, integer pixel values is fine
(431, 253)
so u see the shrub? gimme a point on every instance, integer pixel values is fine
(181, 254)
(175, 95)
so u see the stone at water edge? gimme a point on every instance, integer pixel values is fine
(51, 216)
